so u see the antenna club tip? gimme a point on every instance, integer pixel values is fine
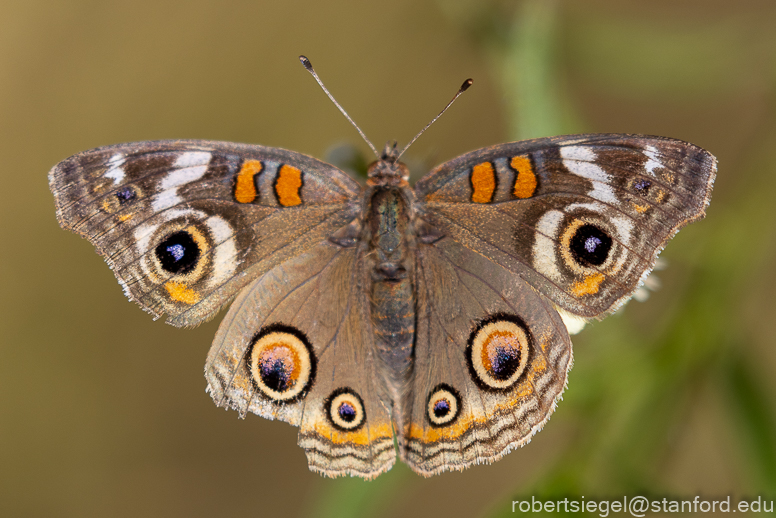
(466, 84)
(305, 62)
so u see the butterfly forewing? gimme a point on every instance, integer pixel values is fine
(185, 224)
(581, 218)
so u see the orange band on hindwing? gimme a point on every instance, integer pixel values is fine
(288, 185)
(525, 181)
(245, 186)
(483, 179)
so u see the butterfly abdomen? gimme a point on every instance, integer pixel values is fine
(393, 304)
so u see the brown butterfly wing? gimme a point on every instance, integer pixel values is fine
(491, 360)
(581, 218)
(298, 345)
(184, 224)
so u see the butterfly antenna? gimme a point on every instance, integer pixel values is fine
(309, 66)
(466, 84)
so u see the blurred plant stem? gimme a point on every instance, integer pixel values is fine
(526, 63)
(520, 41)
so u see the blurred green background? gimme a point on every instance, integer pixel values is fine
(103, 412)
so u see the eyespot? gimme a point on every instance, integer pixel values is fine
(281, 363)
(595, 244)
(126, 195)
(642, 186)
(590, 245)
(178, 253)
(443, 406)
(497, 352)
(345, 409)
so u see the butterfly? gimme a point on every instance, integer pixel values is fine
(432, 316)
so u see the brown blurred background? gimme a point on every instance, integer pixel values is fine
(103, 412)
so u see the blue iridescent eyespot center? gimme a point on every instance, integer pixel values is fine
(347, 412)
(590, 245)
(642, 186)
(178, 253)
(125, 195)
(441, 408)
(279, 366)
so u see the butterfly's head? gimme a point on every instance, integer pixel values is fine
(388, 169)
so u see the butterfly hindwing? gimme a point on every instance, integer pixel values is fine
(581, 218)
(491, 361)
(185, 224)
(298, 345)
